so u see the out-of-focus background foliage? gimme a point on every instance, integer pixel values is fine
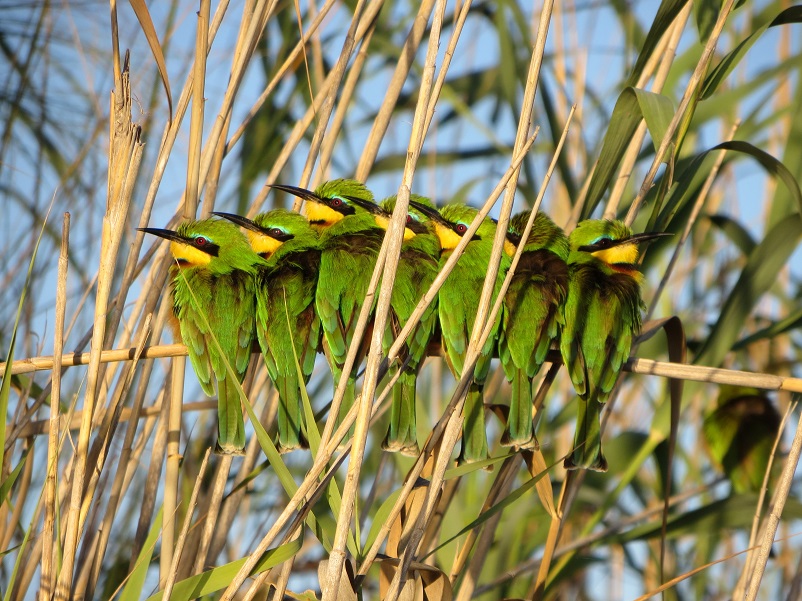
(728, 181)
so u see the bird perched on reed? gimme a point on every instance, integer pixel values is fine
(214, 300)
(287, 325)
(532, 316)
(417, 269)
(602, 314)
(458, 303)
(344, 214)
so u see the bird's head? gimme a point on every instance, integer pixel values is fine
(417, 223)
(611, 242)
(451, 223)
(267, 232)
(215, 245)
(334, 200)
(544, 234)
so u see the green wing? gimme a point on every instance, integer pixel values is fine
(601, 316)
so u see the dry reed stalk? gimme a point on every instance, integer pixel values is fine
(172, 468)
(772, 520)
(458, 26)
(392, 242)
(281, 72)
(327, 107)
(484, 314)
(299, 129)
(483, 536)
(49, 539)
(90, 571)
(739, 590)
(124, 159)
(344, 105)
(691, 90)
(182, 538)
(306, 494)
(382, 120)
(665, 53)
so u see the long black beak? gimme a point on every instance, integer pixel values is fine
(296, 191)
(240, 221)
(430, 213)
(646, 237)
(369, 206)
(166, 234)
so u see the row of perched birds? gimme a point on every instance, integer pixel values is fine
(291, 279)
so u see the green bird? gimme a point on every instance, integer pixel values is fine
(213, 282)
(458, 302)
(602, 314)
(417, 268)
(345, 215)
(287, 325)
(532, 316)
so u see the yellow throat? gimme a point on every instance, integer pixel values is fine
(189, 256)
(448, 237)
(623, 253)
(384, 223)
(320, 215)
(263, 245)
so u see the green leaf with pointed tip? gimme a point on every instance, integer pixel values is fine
(633, 105)
(497, 507)
(663, 19)
(736, 511)
(5, 487)
(791, 322)
(136, 581)
(758, 275)
(729, 62)
(218, 578)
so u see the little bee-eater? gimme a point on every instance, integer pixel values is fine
(458, 302)
(287, 325)
(532, 316)
(417, 269)
(602, 314)
(344, 214)
(213, 299)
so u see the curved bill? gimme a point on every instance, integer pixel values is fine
(429, 212)
(646, 236)
(166, 234)
(239, 220)
(296, 191)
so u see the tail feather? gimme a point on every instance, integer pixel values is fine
(290, 435)
(230, 424)
(474, 437)
(587, 453)
(402, 436)
(520, 427)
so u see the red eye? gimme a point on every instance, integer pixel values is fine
(409, 219)
(336, 202)
(275, 232)
(461, 228)
(200, 241)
